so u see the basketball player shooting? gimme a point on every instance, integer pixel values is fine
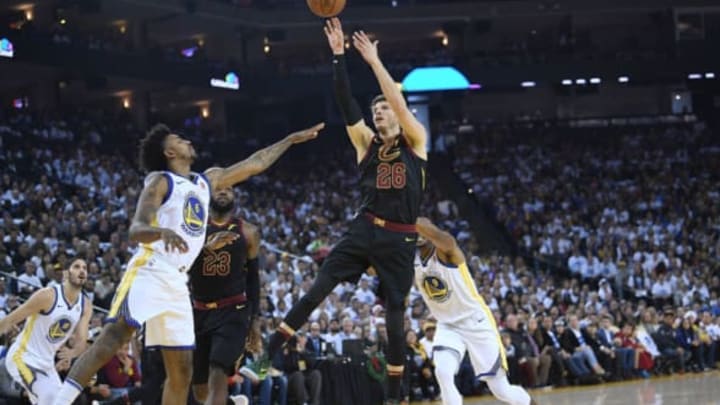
(51, 316)
(392, 166)
(465, 323)
(169, 225)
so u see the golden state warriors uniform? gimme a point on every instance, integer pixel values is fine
(154, 288)
(31, 358)
(464, 320)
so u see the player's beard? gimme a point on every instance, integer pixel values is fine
(77, 283)
(221, 209)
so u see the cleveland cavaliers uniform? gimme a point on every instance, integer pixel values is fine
(383, 235)
(219, 282)
(31, 358)
(464, 320)
(154, 287)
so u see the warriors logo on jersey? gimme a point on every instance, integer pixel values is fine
(436, 288)
(59, 329)
(193, 215)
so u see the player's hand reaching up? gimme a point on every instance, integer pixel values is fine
(218, 240)
(335, 36)
(173, 241)
(306, 134)
(367, 48)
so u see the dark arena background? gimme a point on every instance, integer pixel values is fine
(574, 154)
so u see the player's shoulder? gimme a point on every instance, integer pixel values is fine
(249, 229)
(158, 178)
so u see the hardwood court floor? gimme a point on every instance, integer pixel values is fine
(687, 389)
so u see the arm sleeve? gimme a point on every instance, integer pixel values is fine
(348, 105)
(253, 285)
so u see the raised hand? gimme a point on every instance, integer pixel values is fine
(367, 48)
(335, 35)
(218, 240)
(306, 134)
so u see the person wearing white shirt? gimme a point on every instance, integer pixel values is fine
(590, 269)
(28, 282)
(427, 340)
(346, 333)
(605, 292)
(364, 294)
(662, 289)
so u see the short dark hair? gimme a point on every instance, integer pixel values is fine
(377, 99)
(152, 149)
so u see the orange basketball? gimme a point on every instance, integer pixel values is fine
(326, 8)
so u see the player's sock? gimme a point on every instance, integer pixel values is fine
(69, 391)
(395, 374)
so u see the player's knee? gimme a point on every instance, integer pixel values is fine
(217, 378)
(200, 392)
(114, 336)
(446, 364)
(180, 374)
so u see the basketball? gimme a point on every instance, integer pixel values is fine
(326, 8)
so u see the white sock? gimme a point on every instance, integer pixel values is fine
(69, 391)
(447, 363)
(502, 390)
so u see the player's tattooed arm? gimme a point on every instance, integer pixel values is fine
(142, 229)
(259, 161)
(252, 235)
(412, 128)
(445, 243)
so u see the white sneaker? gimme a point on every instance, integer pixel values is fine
(239, 399)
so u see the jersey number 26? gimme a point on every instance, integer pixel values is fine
(390, 176)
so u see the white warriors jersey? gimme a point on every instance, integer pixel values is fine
(185, 211)
(449, 291)
(45, 332)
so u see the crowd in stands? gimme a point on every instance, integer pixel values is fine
(628, 217)
(644, 202)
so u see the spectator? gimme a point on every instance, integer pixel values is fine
(665, 337)
(529, 357)
(304, 384)
(573, 341)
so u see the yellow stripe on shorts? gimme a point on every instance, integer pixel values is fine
(470, 284)
(25, 373)
(127, 281)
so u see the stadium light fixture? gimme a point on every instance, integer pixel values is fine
(709, 75)
(528, 84)
(581, 81)
(567, 82)
(435, 78)
(623, 79)
(694, 76)
(595, 80)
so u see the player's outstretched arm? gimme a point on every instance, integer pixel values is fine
(413, 129)
(360, 134)
(259, 161)
(443, 241)
(42, 300)
(151, 198)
